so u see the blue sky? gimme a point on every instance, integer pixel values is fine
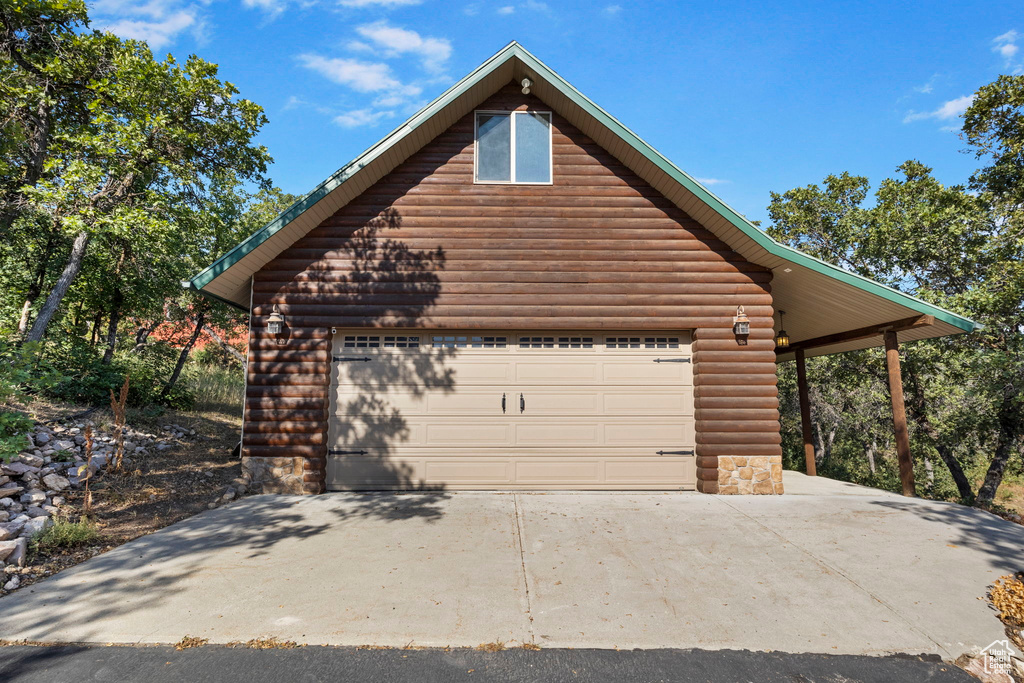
(749, 97)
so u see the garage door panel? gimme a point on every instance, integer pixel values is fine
(665, 435)
(559, 471)
(468, 433)
(648, 373)
(468, 401)
(554, 372)
(678, 401)
(468, 471)
(472, 469)
(558, 434)
(651, 471)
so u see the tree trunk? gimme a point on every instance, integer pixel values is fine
(963, 486)
(94, 335)
(228, 348)
(56, 296)
(38, 280)
(115, 319)
(870, 452)
(183, 356)
(142, 335)
(929, 475)
(1009, 425)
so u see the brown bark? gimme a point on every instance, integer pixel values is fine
(115, 319)
(805, 414)
(1009, 433)
(56, 296)
(183, 356)
(963, 486)
(899, 413)
(228, 348)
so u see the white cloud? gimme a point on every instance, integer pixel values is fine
(394, 41)
(361, 117)
(712, 181)
(158, 22)
(1007, 48)
(612, 10)
(1006, 45)
(377, 3)
(360, 76)
(271, 7)
(926, 88)
(507, 9)
(949, 110)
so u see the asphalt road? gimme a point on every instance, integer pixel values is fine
(76, 664)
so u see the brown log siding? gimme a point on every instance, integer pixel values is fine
(597, 249)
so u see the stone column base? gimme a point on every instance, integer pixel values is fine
(274, 475)
(749, 474)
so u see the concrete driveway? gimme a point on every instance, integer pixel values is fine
(830, 568)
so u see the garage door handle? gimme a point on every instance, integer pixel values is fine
(522, 403)
(503, 403)
(675, 452)
(671, 360)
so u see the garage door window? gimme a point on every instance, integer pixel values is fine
(455, 341)
(642, 342)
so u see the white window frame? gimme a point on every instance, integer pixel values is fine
(512, 151)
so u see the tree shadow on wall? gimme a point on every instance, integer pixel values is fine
(383, 288)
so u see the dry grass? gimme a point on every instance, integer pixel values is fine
(267, 644)
(1007, 596)
(496, 646)
(190, 642)
(530, 646)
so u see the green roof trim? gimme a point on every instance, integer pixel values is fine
(516, 50)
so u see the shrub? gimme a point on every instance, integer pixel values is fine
(90, 381)
(13, 430)
(65, 534)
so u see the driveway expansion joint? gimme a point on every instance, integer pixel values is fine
(522, 561)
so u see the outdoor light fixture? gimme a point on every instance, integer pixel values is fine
(781, 339)
(740, 323)
(275, 321)
(526, 86)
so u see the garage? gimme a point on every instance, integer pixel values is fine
(511, 410)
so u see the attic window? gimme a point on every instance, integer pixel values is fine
(513, 147)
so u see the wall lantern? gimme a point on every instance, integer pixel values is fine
(275, 321)
(781, 339)
(740, 323)
(526, 86)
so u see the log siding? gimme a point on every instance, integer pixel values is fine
(425, 247)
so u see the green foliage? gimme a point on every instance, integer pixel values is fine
(14, 428)
(64, 534)
(216, 388)
(89, 381)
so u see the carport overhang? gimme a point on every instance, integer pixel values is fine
(823, 302)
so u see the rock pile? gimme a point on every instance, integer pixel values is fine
(33, 485)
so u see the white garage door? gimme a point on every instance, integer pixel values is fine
(509, 410)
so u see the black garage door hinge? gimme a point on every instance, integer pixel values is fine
(350, 359)
(671, 360)
(675, 452)
(336, 452)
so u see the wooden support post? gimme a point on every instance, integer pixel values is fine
(805, 414)
(899, 412)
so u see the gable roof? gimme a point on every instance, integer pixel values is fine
(819, 298)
